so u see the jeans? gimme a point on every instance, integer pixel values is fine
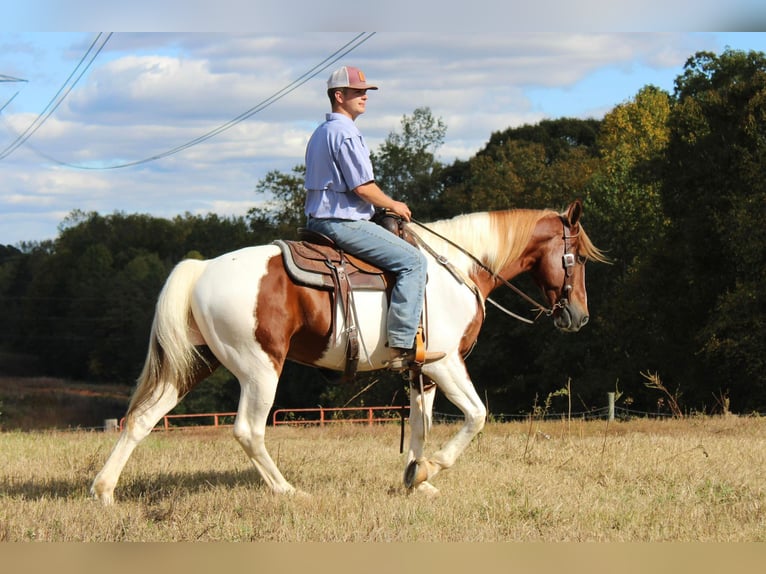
(378, 246)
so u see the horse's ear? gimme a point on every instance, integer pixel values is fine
(574, 211)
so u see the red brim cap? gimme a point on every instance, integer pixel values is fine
(349, 77)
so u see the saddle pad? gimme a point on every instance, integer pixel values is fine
(312, 265)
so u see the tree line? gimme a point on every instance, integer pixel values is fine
(674, 193)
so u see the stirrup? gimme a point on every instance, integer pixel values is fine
(405, 359)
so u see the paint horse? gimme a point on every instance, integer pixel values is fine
(243, 311)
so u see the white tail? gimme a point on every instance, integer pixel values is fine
(172, 353)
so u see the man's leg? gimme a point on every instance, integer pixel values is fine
(380, 247)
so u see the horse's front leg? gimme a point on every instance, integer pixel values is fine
(452, 379)
(421, 420)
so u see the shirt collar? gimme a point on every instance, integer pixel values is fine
(336, 116)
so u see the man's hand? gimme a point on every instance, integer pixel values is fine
(376, 196)
(399, 208)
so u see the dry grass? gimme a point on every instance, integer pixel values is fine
(692, 480)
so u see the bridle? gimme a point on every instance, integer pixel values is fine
(568, 261)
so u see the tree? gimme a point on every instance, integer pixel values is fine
(540, 166)
(282, 211)
(624, 200)
(625, 213)
(84, 302)
(558, 137)
(715, 196)
(405, 165)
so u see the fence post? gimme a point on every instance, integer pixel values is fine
(110, 425)
(611, 406)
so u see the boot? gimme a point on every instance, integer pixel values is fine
(402, 359)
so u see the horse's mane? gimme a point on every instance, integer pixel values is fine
(588, 250)
(495, 237)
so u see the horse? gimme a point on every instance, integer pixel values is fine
(243, 311)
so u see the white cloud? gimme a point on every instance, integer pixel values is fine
(147, 94)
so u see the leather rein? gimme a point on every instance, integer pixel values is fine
(568, 261)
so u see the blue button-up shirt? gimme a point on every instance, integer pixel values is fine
(337, 162)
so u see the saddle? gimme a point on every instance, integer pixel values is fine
(315, 261)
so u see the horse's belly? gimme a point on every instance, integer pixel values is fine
(369, 319)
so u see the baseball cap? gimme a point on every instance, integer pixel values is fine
(349, 77)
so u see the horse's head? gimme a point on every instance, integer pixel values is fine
(562, 250)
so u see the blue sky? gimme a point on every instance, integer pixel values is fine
(148, 93)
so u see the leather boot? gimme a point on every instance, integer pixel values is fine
(403, 359)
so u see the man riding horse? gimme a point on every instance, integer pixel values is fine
(341, 198)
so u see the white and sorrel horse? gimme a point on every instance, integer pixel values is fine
(241, 310)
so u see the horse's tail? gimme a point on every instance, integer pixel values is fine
(172, 356)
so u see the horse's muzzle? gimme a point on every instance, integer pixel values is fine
(569, 319)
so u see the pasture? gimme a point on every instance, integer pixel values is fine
(698, 479)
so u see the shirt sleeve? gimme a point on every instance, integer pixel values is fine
(354, 162)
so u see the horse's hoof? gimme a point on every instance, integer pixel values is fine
(103, 495)
(415, 473)
(427, 489)
(106, 499)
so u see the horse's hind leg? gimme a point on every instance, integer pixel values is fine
(256, 398)
(137, 427)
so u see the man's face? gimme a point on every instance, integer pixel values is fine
(352, 102)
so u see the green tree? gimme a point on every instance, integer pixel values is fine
(715, 196)
(625, 198)
(625, 213)
(547, 165)
(540, 166)
(281, 211)
(406, 167)
(84, 302)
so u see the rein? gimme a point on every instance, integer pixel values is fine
(568, 261)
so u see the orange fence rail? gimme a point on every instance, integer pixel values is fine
(312, 416)
(164, 424)
(322, 415)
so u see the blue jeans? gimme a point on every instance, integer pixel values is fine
(378, 246)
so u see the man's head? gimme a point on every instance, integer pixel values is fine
(345, 79)
(349, 77)
(347, 90)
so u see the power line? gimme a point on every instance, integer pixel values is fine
(5, 105)
(5, 79)
(340, 53)
(59, 97)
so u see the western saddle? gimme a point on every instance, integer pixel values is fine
(316, 261)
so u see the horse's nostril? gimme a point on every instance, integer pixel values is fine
(584, 321)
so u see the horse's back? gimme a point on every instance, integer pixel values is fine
(230, 274)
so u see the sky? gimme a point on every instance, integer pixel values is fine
(173, 123)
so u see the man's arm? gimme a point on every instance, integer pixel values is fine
(371, 192)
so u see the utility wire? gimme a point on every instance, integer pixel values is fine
(59, 97)
(340, 53)
(5, 105)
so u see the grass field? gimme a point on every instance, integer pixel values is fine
(699, 479)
